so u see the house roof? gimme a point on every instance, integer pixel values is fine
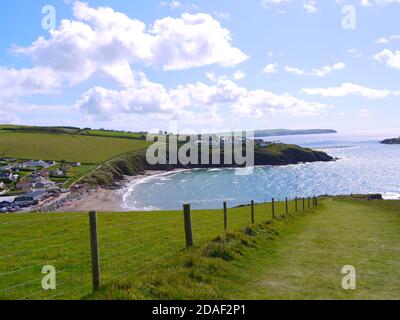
(36, 194)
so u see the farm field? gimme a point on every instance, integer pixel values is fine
(142, 254)
(85, 149)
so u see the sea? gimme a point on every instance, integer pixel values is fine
(364, 166)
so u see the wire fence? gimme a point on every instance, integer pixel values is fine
(118, 244)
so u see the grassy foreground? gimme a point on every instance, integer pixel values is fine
(294, 257)
(297, 256)
(128, 242)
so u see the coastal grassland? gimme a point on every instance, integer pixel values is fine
(295, 257)
(48, 146)
(115, 134)
(73, 130)
(130, 242)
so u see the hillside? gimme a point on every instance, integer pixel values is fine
(391, 141)
(74, 131)
(296, 256)
(134, 163)
(109, 155)
(68, 147)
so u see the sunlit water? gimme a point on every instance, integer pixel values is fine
(365, 166)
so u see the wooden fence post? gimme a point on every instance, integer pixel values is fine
(295, 204)
(287, 208)
(187, 216)
(94, 250)
(225, 217)
(252, 212)
(316, 201)
(273, 208)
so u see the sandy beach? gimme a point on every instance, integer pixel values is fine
(97, 198)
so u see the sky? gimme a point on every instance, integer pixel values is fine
(201, 65)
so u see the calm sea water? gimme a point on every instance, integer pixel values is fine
(365, 166)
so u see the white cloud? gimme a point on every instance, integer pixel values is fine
(392, 59)
(354, 53)
(319, 72)
(266, 3)
(347, 89)
(222, 15)
(257, 103)
(310, 6)
(370, 3)
(26, 82)
(385, 40)
(151, 98)
(147, 97)
(239, 75)
(293, 70)
(271, 68)
(364, 113)
(172, 4)
(325, 70)
(102, 40)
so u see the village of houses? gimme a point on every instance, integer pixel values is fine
(26, 183)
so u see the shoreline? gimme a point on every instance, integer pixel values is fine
(111, 199)
(104, 199)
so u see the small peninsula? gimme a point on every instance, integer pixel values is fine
(276, 154)
(391, 141)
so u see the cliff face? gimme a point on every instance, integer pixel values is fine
(391, 141)
(136, 163)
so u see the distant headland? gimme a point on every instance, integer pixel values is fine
(286, 132)
(391, 141)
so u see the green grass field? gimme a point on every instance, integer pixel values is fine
(142, 254)
(66, 147)
(114, 134)
(129, 242)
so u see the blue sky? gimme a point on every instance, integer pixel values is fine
(138, 65)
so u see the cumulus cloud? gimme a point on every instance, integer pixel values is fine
(257, 103)
(101, 40)
(391, 58)
(26, 82)
(347, 89)
(271, 68)
(152, 98)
